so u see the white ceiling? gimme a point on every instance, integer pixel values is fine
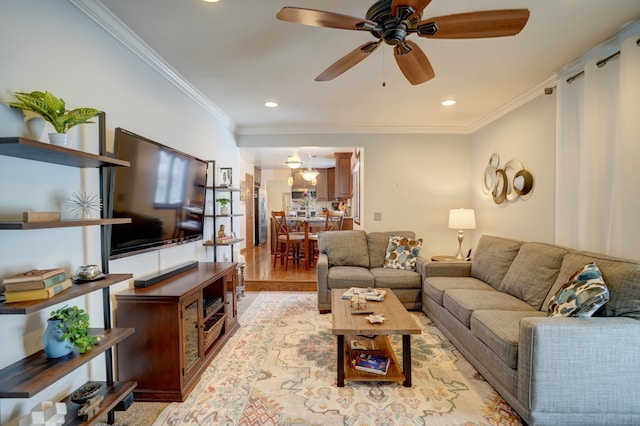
(238, 55)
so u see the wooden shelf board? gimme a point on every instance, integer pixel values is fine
(34, 150)
(75, 291)
(226, 243)
(65, 223)
(224, 188)
(113, 393)
(27, 377)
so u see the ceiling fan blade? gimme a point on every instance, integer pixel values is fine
(488, 23)
(417, 5)
(413, 63)
(348, 61)
(319, 18)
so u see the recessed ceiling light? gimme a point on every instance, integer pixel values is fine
(448, 102)
(211, 1)
(271, 104)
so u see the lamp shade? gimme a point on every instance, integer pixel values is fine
(462, 219)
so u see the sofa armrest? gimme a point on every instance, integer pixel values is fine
(421, 261)
(446, 269)
(322, 273)
(586, 365)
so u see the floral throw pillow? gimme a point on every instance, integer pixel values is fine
(402, 253)
(581, 296)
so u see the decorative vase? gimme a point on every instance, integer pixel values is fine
(224, 210)
(307, 211)
(54, 345)
(60, 139)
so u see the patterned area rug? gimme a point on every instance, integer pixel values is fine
(279, 369)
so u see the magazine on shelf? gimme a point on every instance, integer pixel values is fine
(362, 343)
(368, 293)
(371, 363)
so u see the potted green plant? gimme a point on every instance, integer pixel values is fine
(54, 110)
(68, 328)
(224, 209)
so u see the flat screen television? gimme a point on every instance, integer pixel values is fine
(163, 192)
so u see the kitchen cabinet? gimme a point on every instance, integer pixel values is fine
(331, 184)
(298, 180)
(322, 189)
(181, 323)
(343, 183)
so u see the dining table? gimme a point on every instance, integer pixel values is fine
(306, 223)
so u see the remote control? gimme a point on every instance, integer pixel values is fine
(361, 312)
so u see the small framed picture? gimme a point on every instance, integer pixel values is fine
(225, 176)
(243, 191)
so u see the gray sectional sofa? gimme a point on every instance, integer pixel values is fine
(355, 259)
(551, 370)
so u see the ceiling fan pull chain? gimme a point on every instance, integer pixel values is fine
(384, 82)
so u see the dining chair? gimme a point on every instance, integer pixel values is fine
(287, 243)
(333, 222)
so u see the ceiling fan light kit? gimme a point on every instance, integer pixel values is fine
(293, 162)
(392, 21)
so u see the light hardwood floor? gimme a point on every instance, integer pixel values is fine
(260, 275)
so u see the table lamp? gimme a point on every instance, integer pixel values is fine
(461, 219)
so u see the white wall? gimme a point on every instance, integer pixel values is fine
(526, 134)
(412, 180)
(52, 46)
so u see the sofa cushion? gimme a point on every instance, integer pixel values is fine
(395, 278)
(435, 287)
(492, 259)
(581, 296)
(377, 245)
(533, 272)
(621, 275)
(499, 330)
(345, 248)
(349, 276)
(402, 253)
(462, 303)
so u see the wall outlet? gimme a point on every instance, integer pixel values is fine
(377, 216)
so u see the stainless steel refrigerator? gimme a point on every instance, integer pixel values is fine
(260, 215)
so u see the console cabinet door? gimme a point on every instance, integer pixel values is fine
(191, 312)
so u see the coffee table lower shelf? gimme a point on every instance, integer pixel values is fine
(394, 374)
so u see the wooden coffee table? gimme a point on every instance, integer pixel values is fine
(398, 321)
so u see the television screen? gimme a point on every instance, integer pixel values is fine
(163, 192)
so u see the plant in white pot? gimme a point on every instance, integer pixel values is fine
(54, 111)
(224, 207)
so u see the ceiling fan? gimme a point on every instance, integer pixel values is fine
(392, 21)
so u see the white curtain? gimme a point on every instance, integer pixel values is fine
(598, 156)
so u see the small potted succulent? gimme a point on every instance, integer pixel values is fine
(224, 208)
(68, 327)
(54, 111)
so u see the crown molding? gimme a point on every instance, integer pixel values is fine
(514, 104)
(337, 130)
(97, 12)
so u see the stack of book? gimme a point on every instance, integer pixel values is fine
(35, 285)
(368, 293)
(371, 363)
